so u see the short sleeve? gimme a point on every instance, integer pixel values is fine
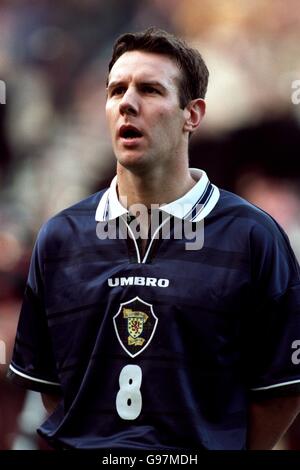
(273, 326)
(33, 364)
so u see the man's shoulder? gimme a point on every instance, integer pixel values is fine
(86, 206)
(246, 216)
(65, 224)
(230, 204)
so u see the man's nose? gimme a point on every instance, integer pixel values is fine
(129, 103)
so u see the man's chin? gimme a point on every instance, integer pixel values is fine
(133, 161)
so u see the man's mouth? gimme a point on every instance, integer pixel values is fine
(129, 132)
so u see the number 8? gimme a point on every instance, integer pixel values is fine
(129, 398)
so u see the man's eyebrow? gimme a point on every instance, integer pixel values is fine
(141, 82)
(115, 83)
(151, 83)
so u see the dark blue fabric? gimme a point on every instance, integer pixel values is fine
(225, 324)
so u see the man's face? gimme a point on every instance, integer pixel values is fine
(143, 112)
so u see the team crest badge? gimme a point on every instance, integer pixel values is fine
(135, 324)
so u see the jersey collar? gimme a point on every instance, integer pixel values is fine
(196, 204)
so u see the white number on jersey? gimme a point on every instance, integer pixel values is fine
(129, 398)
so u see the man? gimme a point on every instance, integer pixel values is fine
(137, 339)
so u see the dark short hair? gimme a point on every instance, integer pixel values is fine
(194, 76)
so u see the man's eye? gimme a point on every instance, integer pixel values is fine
(117, 91)
(150, 89)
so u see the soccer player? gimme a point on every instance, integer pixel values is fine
(174, 327)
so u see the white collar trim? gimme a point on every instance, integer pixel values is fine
(196, 204)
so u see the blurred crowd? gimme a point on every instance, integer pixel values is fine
(55, 148)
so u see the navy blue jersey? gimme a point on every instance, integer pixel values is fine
(163, 350)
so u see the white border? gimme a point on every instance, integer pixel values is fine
(16, 371)
(153, 238)
(134, 240)
(276, 385)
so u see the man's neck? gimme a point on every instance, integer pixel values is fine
(152, 188)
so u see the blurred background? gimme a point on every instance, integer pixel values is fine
(55, 148)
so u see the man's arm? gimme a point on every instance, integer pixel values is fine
(50, 402)
(269, 420)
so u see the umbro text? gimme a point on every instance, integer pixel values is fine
(138, 281)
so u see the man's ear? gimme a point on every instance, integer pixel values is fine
(194, 113)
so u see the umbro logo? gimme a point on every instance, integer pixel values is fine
(138, 281)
